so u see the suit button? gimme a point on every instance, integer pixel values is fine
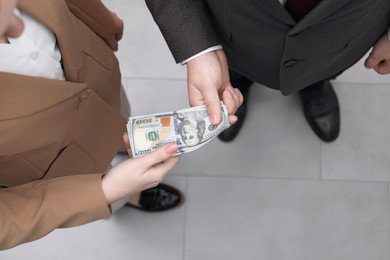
(290, 63)
(84, 95)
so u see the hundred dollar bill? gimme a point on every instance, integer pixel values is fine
(189, 128)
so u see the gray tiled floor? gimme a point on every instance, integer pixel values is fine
(274, 193)
(285, 219)
(362, 152)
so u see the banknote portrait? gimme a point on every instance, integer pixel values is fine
(192, 126)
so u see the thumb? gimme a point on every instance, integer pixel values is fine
(213, 105)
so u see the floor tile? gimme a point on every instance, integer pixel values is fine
(143, 52)
(233, 218)
(150, 96)
(362, 150)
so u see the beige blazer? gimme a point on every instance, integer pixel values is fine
(58, 137)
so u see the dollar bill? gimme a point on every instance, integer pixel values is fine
(189, 128)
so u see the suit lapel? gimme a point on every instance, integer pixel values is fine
(276, 9)
(321, 11)
(57, 17)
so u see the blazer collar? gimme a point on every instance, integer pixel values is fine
(57, 17)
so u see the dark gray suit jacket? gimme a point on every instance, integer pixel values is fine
(264, 43)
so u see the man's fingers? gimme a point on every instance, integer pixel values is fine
(239, 94)
(383, 67)
(379, 65)
(232, 119)
(371, 61)
(232, 99)
(379, 57)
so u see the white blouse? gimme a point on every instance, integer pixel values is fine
(34, 53)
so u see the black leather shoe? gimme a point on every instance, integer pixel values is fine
(243, 84)
(321, 109)
(160, 198)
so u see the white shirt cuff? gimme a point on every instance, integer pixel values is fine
(214, 48)
(388, 33)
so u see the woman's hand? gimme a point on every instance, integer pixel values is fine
(137, 174)
(10, 25)
(117, 34)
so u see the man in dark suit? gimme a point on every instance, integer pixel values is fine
(291, 46)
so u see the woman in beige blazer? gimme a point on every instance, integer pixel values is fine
(58, 137)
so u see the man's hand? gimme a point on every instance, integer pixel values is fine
(10, 24)
(379, 58)
(208, 80)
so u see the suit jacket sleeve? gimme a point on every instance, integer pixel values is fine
(33, 210)
(95, 15)
(185, 25)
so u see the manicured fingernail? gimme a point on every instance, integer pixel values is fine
(172, 148)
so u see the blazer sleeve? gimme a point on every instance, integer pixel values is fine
(185, 25)
(33, 210)
(95, 15)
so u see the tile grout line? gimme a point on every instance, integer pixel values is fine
(185, 219)
(153, 79)
(388, 219)
(361, 83)
(282, 178)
